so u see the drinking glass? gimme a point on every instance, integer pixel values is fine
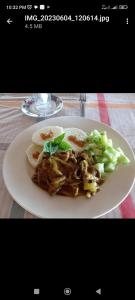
(42, 105)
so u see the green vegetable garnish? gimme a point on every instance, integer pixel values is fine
(100, 168)
(50, 147)
(64, 146)
(59, 139)
(101, 148)
(56, 145)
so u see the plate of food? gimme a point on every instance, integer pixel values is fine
(69, 167)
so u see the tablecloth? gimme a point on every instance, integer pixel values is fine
(116, 110)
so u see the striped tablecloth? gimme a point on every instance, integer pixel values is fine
(117, 110)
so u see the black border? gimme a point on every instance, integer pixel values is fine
(87, 59)
(40, 253)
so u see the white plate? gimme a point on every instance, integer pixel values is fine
(17, 177)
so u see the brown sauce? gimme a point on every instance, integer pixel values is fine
(46, 136)
(74, 140)
(35, 154)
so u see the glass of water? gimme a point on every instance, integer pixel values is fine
(42, 105)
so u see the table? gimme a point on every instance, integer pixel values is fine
(117, 110)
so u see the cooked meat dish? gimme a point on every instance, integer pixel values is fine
(71, 162)
(68, 173)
